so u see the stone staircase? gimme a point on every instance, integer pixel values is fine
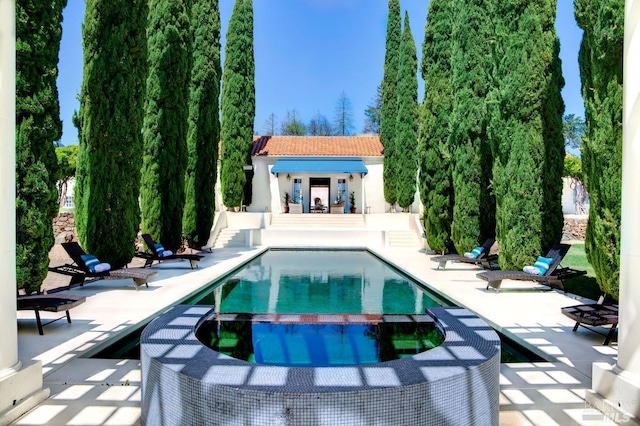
(318, 230)
(403, 239)
(231, 238)
(318, 221)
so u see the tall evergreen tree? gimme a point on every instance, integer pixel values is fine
(372, 113)
(204, 123)
(474, 207)
(436, 187)
(343, 119)
(165, 121)
(388, 116)
(110, 119)
(38, 126)
(600, 61)
(526, 130)
(238, 103)
(406, 137)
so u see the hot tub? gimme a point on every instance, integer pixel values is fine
(184, 382)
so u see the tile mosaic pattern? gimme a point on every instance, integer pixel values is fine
(184, 382)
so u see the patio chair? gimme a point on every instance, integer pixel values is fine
(484, 258)
(553, 277)
(594, 315)
(79, 270)
(158, 253)
(50, 303)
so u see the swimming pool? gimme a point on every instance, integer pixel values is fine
(304, 281)
(341, 292)
(318, 282)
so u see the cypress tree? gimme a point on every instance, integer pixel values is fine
(165, 121)
(38, 126)
(238, 103)
(204, 123)
(600, 61)
(526, 130)
(406, 137)
(436, 187)
(110, 119)
(474, 207)
(389, 111)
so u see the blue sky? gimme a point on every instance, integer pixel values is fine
(310, 51)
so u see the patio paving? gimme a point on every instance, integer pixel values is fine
(87, 391)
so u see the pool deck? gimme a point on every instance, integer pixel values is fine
(107, 392)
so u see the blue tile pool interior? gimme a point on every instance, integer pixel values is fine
(311, 282)
(318, 340)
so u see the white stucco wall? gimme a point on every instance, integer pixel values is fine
(268, 190)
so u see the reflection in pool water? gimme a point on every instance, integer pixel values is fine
(318, 340)
(319, 282)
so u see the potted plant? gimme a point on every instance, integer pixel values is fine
(286, 200)
(352, 201)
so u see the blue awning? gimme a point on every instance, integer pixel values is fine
(319, 166)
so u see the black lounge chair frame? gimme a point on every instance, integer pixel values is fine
(594, 315)
(554, 277)
(49, 303)
(152, 255)
(78, 271)
(484, 259)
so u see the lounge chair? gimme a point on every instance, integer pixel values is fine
(483, 259)
(594, 315)
(157, 253)
(50, 303)
(79, 270)
(553, 277)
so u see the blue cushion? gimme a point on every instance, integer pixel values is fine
(543, 264)
(159, 249)
(90, 261)
(476, 252)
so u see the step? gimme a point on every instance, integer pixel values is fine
(315, 221)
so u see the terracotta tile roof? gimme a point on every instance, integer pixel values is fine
(319, 146)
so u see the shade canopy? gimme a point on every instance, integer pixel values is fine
(319, 166)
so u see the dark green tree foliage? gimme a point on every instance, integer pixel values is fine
(165, 121)
(388, 116)
(38, 126)
(600, 61)
(406, 137)
(474, 206)
(204, 123)
(110, 119)
(526, 130)
(238, 103)
(436, 187)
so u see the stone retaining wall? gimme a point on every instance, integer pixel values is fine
(574, 228)
(64, 227)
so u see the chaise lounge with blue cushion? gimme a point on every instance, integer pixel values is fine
(478, 256)
(546, 271)
(158, 253)
(88, 266)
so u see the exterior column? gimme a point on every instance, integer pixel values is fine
(8, 332)
(20, 387)
(616, 389)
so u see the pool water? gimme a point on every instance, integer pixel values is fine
(318, 340)
(313, 282)
(318, 282)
